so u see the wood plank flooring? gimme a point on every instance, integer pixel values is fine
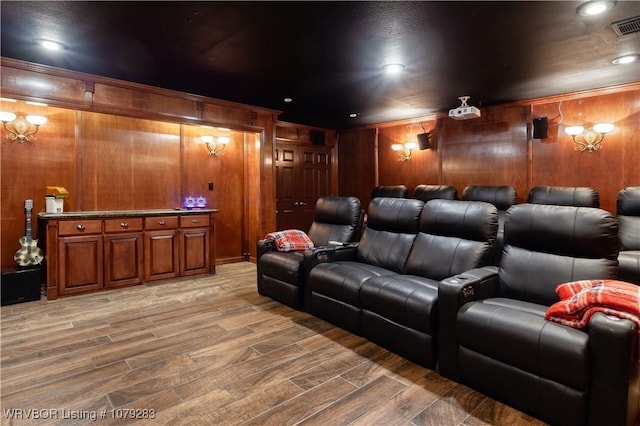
(210, 350)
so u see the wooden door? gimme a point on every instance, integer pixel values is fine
(303, 174)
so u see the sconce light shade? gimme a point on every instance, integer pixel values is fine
(589, 140)
(215, 146)
(423, 141)
(403, 151)
(21, 129)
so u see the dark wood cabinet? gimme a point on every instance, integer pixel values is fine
(194, 245)
(84, 255)
(123, 252)
(303, 174)
(80, 264)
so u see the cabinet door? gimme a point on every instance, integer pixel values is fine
(123, 259)
(80, 264)
(194, 247)
(161, 255)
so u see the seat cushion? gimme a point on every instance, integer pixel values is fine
(284, 266)
(342, 280)
(408, 300)
(515, 333)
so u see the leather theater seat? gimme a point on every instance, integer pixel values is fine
(579, 196)
(628, 212)
(501, 196)
(431, 192)
(400, 312)
(392, 191)
(494, 336)
(282, 275)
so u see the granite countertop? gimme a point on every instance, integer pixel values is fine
(123, 213)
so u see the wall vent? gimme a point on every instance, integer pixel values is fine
(626, 26)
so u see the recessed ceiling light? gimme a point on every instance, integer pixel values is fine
(626, 59)
(354, 114)
(592, 8)
(288, 100)
(50, 44)
(393, 68)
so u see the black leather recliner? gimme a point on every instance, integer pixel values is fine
(501, 196)
(431, 192)
(494, 336)
(579, 196)
(628, 212)
(400, 312)
(392, 191)
(334, 285)
(281, 275)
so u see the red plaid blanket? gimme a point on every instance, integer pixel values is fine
(290, 239)
(579, 300)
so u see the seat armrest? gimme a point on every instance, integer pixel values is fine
(616, 372)
(264, 246)
(453, 293)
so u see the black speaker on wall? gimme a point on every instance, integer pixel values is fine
(540, 128)
(423, 141)
(317, 137)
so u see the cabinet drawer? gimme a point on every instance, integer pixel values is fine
(124, 224)
(161, 222)
(194, 221)
(80, 227)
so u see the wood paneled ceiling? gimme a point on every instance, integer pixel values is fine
(328, 56)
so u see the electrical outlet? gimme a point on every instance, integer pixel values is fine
(210, 186)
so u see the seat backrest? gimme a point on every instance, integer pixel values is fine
(432, 192)
(394, 191)
(455, 236)
(578, 196)
(336, 219)
(391, 229)
(501, 196)
(547, 245)
(628, 212)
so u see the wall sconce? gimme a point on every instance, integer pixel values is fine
(22, 129)
(589, 140)
(403, 151)
(215, 145)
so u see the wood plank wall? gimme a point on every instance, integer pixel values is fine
(121, 146)
(498, 149)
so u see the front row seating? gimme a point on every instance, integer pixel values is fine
(281, 275)
(386, 288)
(494, 335)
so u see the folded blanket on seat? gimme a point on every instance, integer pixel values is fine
(580, 300)
(290, 239)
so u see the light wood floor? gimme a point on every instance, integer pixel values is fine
(212, 351)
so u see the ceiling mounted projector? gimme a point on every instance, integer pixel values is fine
(464, 111)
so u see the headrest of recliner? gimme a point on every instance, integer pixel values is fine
(395, 191)
(501, 196)
(578, 196)
(469, 220)
(337, 210)
(395, 214)
(563, 230)
(628, 201)
(432, 192)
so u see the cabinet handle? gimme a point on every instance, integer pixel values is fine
(194, 220)
(124, 225)
(80, 227)
(162, 222)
